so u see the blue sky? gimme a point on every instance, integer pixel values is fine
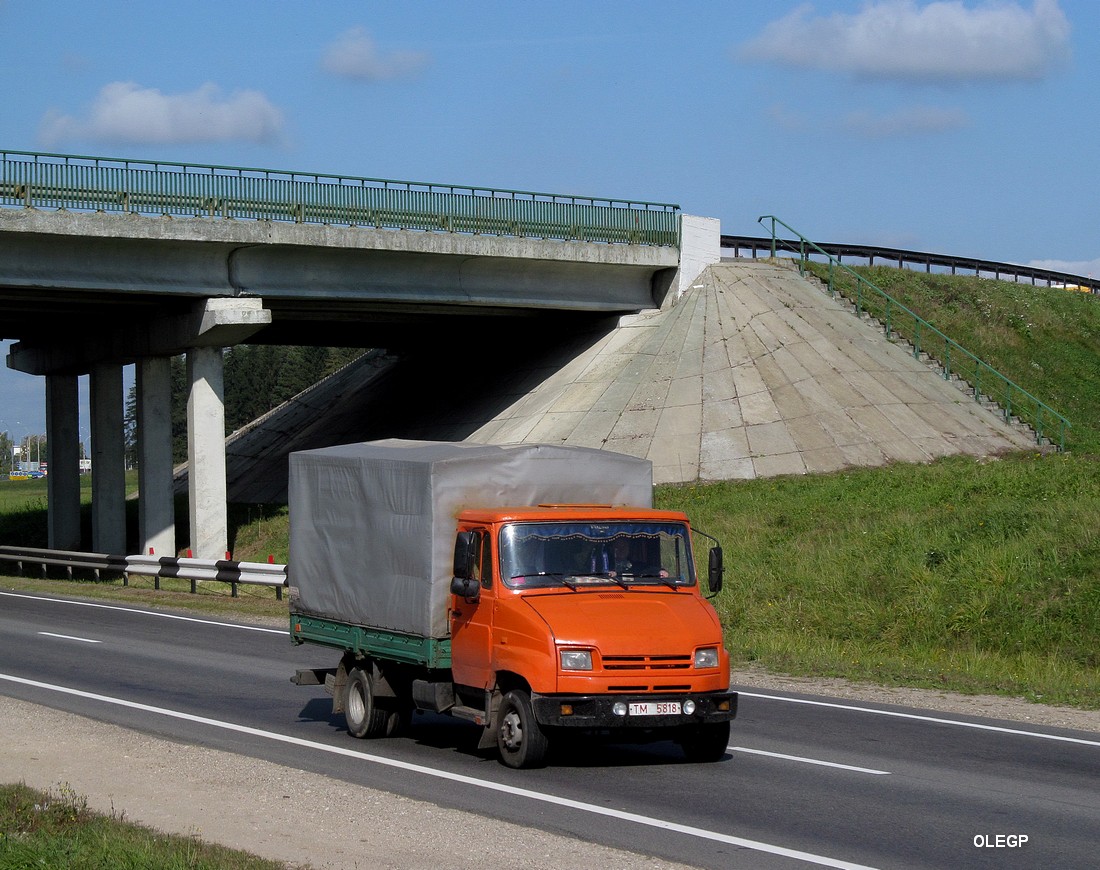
(962, 128)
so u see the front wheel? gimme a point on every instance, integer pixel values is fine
(364, 718)
(705, 743)
(522, 743)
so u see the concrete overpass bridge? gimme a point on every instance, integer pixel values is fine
(508, 316)
(106, 262)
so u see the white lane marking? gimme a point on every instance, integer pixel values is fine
(595, 809)
(69, 637)
(921, 718)
(151, 613)
(809, 760)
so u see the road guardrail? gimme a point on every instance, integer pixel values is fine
(158, 567)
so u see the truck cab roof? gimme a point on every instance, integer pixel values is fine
(557, 512)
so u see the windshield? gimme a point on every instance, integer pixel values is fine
(582, 553)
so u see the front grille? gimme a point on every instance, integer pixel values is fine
(646, 663)
(640, 689)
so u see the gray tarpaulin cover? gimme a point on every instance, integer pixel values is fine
(372, 525)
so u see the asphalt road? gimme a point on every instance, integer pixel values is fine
(808, 781)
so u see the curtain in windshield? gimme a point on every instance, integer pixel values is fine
(546, 554)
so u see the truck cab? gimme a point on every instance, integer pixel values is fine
(587, 616)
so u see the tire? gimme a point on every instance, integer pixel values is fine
(520, 740)
(706, 743)
(363, 716)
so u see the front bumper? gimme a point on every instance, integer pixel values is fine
(595, 711)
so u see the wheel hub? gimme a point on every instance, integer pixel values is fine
(511, 730)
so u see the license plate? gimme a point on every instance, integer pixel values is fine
(655, 708)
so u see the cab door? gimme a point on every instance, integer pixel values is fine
(472, 620)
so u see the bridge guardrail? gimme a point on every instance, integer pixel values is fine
(957, 361)
(72, 182)
(906, 259)
(159, 567)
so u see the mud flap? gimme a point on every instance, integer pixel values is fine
(492, 709)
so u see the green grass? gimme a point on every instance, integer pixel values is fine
(56, 829)
(23, 510)
(256, 532)
(967, 575)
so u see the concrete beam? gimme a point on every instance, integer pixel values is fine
(208, 323)
(121, 271)
(373, 277)
(177, 236)
(225, 322)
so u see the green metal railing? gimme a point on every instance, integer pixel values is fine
(75, 183)
(956, 360)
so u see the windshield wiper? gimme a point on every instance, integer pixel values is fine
(670, 582)
(557, 575)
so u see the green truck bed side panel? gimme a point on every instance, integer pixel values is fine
(376, 642)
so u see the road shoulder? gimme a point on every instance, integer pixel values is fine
(269, 810)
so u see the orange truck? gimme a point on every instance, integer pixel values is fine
(529, 589)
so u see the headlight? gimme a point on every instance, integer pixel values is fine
(576, 660)
(706, 658)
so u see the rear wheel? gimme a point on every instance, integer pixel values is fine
(522, 743)
(364, 717)
(705, 743)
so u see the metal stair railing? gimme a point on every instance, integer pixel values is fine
(957, 362)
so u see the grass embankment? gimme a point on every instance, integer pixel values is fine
(974, 576)
(57, 829)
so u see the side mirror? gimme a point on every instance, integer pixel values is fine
(464, 554)
(466, 588)
(715, 570)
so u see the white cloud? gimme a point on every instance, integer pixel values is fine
(125, 112)
(943, 41)
(1086, 268)
(913, 121)
(354, 55)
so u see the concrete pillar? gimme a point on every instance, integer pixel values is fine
(156, 505)
(63, 452)
(206, 453)
(108, 459)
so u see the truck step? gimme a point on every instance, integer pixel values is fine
(312, 676)
(471, 714)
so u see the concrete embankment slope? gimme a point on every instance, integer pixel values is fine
(753, 372)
